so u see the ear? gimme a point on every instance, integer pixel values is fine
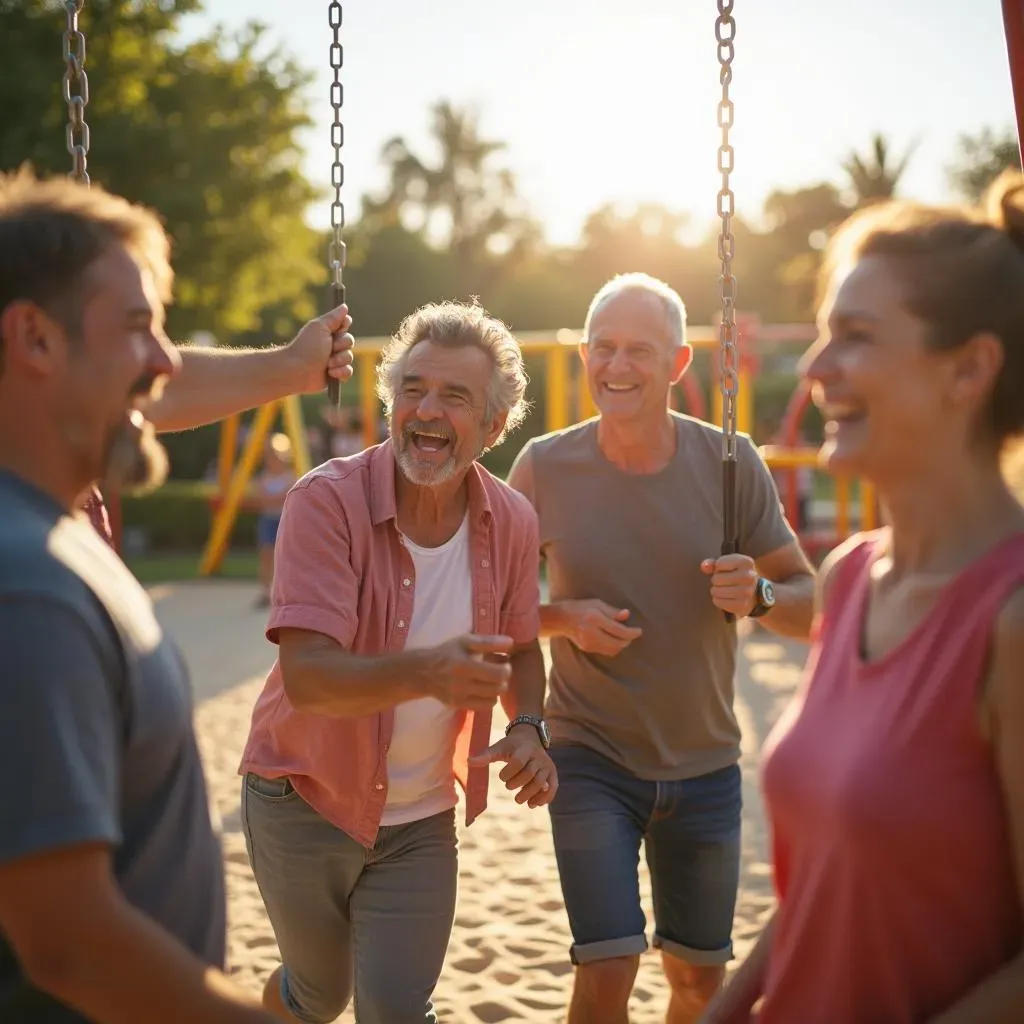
(31, 338)
(583, 350)
(975, 369)
(495, 427)
(681, 359)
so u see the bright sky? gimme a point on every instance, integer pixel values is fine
(605, 100)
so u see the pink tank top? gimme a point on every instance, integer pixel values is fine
(892, 857)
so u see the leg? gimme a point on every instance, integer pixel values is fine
(598, 819)
(402, 910)
(693, 851)
(305, 869)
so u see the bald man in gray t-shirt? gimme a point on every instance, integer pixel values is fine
(640, 704)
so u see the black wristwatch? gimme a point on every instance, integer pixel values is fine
(538, 723)
(764, 595)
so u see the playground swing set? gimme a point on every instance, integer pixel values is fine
(734, 338)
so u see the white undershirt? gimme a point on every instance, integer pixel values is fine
(420, 777)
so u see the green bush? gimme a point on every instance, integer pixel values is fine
(178, 517)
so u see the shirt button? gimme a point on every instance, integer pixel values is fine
(485, 564)
(379, 786)
(483, 611)
(407, 582)
(401, 623)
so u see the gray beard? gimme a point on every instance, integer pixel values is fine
(425, 476)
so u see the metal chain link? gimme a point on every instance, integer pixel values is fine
(725, 33)
(77, 131)
(336, 252)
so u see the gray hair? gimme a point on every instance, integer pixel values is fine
(675, 309)
(454, 325)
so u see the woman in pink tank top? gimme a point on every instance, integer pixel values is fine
(894, 784)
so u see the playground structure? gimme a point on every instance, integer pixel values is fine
(566, 401)
(734, 402)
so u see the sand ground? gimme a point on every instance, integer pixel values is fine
(508, 957)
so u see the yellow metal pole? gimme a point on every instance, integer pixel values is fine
(557, 391)
(295, 428)
(842, 499)
(369, 407)
(224, 521)
(868, 506)
(226, 451)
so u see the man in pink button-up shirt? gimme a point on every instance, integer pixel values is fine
(405, 603)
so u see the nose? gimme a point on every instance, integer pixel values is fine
(817, 362)
(162, 357)
(618, 361)
(430, 407)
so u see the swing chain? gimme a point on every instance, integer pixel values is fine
(336, 252)
(725, 33)
(77, 131)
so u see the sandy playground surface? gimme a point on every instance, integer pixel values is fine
(508, 957)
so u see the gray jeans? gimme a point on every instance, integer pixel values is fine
(347, 920)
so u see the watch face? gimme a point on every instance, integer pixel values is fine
(545, 733)
(767, 593)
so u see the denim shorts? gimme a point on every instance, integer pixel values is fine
(690, 830)
(266, 530)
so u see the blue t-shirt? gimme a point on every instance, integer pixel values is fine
(96, 737)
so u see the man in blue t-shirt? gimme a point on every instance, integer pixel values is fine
(112, 904)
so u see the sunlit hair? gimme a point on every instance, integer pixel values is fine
(51, 233)
(963, 271)
(675, 309)
(456, 325)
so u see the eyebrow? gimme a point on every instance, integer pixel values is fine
(459, 389)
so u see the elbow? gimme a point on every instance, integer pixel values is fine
(54, 969)
(295, 680)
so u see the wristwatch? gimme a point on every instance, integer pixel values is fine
(538, 723)
(764, 596)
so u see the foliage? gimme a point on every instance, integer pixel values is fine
(980, 159)
(177, 517)
(205, 133)
(465, 203)
(876, 176)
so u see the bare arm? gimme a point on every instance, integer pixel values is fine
(794, 580)
(77, 939)
(999, 998)
(525, 693)
(216, 383)
(321, 677)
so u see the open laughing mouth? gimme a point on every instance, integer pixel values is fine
(430, 442)
(620, 389)
(841, 413)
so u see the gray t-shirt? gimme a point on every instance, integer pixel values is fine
(96, 737)
(663, 707)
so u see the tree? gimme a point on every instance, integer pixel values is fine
(203, 133)
(461, 201)
(876, 176)
(799, 225)
(980, 159)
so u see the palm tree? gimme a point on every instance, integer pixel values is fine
(461, 200)
(876, 177)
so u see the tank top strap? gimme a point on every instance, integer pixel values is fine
(980, 591)
(849, 576)
(954, 646)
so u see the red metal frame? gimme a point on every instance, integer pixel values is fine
(1013, 23)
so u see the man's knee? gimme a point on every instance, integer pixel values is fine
(693, 984)
(306, 1003)
(607, 982)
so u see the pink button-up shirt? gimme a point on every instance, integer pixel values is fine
(342, 570)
